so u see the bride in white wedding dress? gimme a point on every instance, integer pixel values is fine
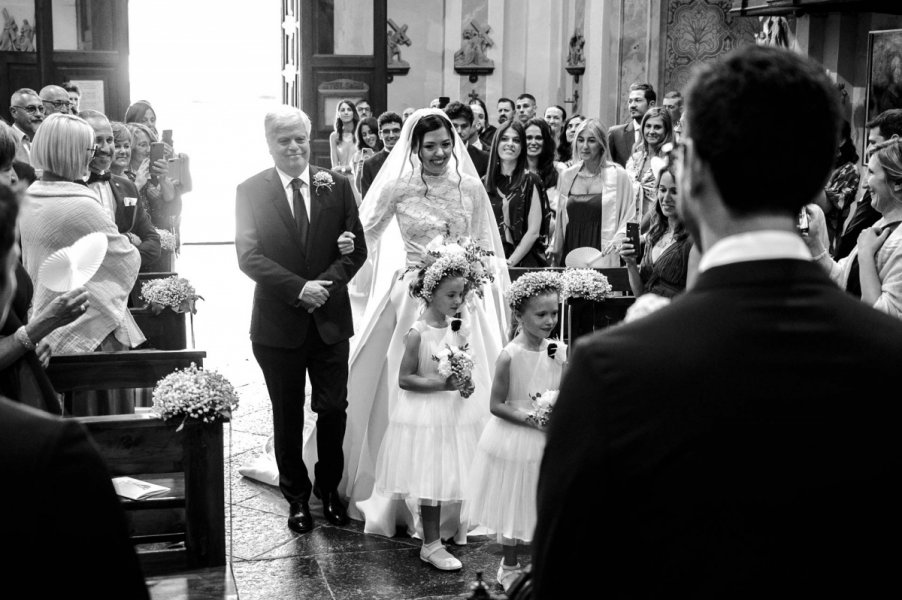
(411, 202)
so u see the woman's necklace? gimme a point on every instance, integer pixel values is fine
(665, 240)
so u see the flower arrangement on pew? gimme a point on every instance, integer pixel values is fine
(174, 293)
(168, 242)
(194, 394)
(587, 284)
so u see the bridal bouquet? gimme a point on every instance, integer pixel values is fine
(456, 361)
(542, 405)
(175, 293)
(194, 393)
(585, 283)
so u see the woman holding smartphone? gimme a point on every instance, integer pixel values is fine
(368, 144)
(149, 169)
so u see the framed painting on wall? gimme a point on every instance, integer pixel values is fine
(884, 88)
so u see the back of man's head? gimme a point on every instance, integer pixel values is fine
(650, 95)
(740, 104)
(889, 122)
(459, 110)
(389, 117)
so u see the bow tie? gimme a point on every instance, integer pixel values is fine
(95, 177)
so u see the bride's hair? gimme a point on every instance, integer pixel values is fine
(425, 125)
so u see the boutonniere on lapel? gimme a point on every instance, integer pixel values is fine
(323, 179)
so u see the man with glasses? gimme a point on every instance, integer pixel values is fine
(739, 442)
(118, 195)
(27, 111)
(55, 99)
(364, 110)
(389, 132)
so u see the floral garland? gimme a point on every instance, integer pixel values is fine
(167, 240)
(531, 284)
(194, 393)
(585, 283)
(173, 292)
(464, 257)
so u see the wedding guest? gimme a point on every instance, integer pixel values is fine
(53, 461)
(122, 149)
(873, 269)
(57, 214)
(555, 117)
(596, 200)
(368, 144)
(74, 96)
(55, 100)
(839, 193)
(118, 195)
(673, 103)
(540, 157)
(341, 140)
(484, 130)
(505, 110)
(657, 130)
(8, 175)
(364, 110)
(389, 131)
(156, 197)
(706, 433)
(669, 254)
(407, 112)
(27, 111)
(518, 199)
(623, 139)
(565, 142)
(461, 117)
(525, 107)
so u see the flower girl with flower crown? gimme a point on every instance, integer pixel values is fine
(503, 481)
(434, 424)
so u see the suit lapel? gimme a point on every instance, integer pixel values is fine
(280, 203)
(317, 197)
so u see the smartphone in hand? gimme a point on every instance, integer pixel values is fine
(632, 235)
(157, 152)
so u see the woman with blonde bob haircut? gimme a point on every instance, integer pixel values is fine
(596, 199)
(60, 211)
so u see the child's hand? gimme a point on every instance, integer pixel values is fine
(452, 384)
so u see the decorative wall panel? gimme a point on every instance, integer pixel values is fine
(700, 31)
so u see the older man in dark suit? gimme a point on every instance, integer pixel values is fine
(718, 448)
(390, 124)
(288, 218)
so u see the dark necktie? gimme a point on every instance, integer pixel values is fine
(853, 284)
(300, 211)
(95, 177)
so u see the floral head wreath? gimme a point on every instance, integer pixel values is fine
(532, 284)
(442, 267)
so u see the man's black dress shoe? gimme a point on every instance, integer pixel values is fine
(333, 508)
(299, 518)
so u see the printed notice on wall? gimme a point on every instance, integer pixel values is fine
(91, 94)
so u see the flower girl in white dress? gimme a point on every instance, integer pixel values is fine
(503, 481)
(434, 425)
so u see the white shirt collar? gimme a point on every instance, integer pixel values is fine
(286, 178)
(754, 245)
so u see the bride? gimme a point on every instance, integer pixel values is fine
(427, 188)
(420, 193)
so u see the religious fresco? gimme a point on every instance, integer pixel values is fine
(701, 31)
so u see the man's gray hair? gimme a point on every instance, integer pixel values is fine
(48, 91)
(285, 114)
(18, 94)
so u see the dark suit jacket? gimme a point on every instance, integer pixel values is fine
(371, 168)
(488, 136)
(270, 252)
(63, 524)
(621, 139)
(864, 216)
(741, 442)
(480, 160)
(135, 219)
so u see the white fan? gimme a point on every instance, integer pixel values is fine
(583, 257)
(73, 266)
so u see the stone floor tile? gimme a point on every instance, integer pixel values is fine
(238, 442)
(286, 578)
(328, 539)
(256, 532)
(258, 421)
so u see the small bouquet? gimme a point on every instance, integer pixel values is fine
(194, 393)
(557, 350)
(542, 405)
(175, 293)
(644, 306)
(167, 240)
(456, 361)
(585, 283)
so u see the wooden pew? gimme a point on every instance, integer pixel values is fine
(186, 527)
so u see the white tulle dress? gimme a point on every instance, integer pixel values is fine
(428, 448)
(501, 490)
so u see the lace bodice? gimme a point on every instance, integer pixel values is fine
(428, 207)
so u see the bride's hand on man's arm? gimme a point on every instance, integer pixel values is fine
(346, 243)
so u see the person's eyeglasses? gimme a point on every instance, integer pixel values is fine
(32, 109)
(93, 150)
(391, 131)
(58, 103)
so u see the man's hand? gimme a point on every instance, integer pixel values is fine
(346, 243)
(315, 294)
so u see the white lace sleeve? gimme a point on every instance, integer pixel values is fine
(476, 200)
(376, 213)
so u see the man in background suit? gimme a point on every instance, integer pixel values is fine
(63, 524)
(623, 138)
(118, 195)
(718, 448)
(288, 218)
(461, 116)
(390, 124)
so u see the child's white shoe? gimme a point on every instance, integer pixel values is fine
(506, 575)
(436, 555)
